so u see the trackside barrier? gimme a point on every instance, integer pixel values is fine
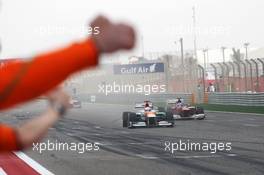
(130, 99)
(243, 99)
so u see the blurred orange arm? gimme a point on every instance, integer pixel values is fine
(8, 139)
(44, 72)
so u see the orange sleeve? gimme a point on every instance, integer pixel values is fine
(44, 72)
(8, 139)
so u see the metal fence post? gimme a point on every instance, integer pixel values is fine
(251, 74)
(203, 75)
(223, 72)
(239, 73)
(257, 73)
(245, 74)
(262, 62)
(228, 80)
(234, 70)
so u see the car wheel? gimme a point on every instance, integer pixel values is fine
(199, 110)
(201, 118)
(171, 126)
(125, 119)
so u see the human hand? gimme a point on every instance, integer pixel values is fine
(59, 100)
(112, 36)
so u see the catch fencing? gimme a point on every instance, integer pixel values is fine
(239, 76)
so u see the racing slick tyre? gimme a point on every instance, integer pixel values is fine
(199, 110)
(201, 118)
(125, 119)
(169, 117)
(128, 118)
(132, 117)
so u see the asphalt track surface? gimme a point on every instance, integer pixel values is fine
(142, 151)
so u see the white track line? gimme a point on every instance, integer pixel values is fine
(2, 172)
(178, 157)
(250, 125)
(196, 157)
(231, 155)
(184, 157)
(33, 164)
(146, 157)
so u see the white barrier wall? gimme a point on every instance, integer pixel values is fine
(244, 99)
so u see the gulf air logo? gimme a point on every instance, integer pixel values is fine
(152, 68)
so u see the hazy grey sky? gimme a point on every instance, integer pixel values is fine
(32, 26)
